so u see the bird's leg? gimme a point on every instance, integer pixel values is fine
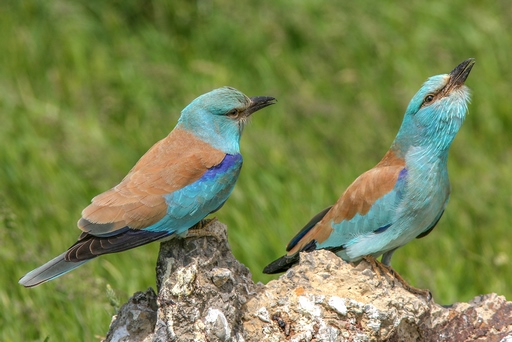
(203, 223)
(198, 230)
(386, 262)
(414, 290)
(381, 269)
(386, 257)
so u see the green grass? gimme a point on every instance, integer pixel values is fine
(88, 86)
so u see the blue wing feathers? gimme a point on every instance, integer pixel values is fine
(192, 203)
(377, 220)
(382, 229)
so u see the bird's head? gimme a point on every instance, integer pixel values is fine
(437, 111)
(219, 116)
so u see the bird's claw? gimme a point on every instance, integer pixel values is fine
(391, 275)
(198, 230)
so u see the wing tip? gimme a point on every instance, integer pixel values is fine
(307, 228)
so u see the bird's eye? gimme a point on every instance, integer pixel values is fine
(233, 113)
(428, 98)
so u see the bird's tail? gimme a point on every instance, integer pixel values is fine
(282, 264)
(287, 261)
(51, 270)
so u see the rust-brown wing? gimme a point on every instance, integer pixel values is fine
(358, 198)
(137, 202)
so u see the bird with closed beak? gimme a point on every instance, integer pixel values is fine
(178, 182)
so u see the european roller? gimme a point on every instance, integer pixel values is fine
(175, 184)
(405, 194)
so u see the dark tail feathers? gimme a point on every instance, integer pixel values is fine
(287, 261)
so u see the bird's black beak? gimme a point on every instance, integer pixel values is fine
(259, 102)
(460, 73)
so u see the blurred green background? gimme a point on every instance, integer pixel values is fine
(86, 87)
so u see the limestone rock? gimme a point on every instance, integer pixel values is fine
(326, 299)
(202, 290)
(205, 294)
(136, 319)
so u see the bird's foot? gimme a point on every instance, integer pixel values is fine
(203, 223)
(414, 290)
(378, 270)
(387, 271)
(198, 230)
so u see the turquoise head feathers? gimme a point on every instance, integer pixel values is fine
(437, 111)
(219, 117)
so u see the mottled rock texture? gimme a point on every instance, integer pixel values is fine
(205, 294)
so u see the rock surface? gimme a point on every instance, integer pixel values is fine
(205, 294)
(136, 319)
